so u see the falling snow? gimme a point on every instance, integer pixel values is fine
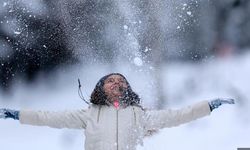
(4, 4)
(17, 32)
(125, 27)
(138, 61)
(189, 13)
(141, 40)
(147, 49)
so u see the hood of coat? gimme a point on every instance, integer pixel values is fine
(99, 97)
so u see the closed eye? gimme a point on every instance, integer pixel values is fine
(122, 80)
(110, 80)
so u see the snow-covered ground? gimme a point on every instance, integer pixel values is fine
(185, 83)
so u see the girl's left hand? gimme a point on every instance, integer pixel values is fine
(219, 101)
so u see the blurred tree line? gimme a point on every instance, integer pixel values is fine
(40, 36)
(30, 42)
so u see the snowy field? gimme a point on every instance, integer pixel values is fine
(225, 129)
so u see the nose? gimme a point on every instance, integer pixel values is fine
(117, 81)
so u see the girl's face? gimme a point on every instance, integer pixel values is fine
(114, 86)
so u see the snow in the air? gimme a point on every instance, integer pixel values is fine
(138, 61)
(173, 41)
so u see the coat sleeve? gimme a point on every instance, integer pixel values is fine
(65, 119)
(158, 119)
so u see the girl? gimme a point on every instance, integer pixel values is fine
(115, 119)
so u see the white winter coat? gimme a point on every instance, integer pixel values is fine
(107, 128)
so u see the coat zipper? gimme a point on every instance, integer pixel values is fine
(134, 115)
(98, 115)
(117, 129)
(117, 124)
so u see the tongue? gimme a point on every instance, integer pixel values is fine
(116, 104)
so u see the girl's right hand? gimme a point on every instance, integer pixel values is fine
(8, 113)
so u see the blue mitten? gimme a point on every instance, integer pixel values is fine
(8, 113)
(219, 101)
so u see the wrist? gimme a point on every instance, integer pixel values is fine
(214, 104)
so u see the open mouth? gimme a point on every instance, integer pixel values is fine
(116, 89)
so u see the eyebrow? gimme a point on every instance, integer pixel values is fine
(114, 77)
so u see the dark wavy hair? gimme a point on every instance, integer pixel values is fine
(99, 97)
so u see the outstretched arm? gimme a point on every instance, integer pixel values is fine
(65, 119)
(157, 119)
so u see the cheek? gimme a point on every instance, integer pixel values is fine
(106, 87)
(125, 85)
